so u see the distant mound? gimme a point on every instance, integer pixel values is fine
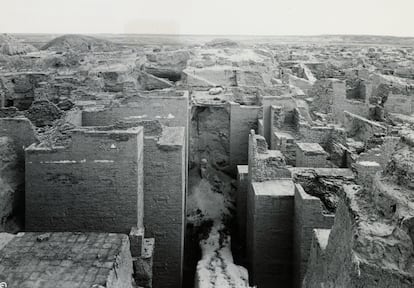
(12, 46)
(222, 43)
(80, 43)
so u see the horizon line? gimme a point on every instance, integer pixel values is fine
(206, 35)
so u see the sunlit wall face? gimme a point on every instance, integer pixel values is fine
(257, 17)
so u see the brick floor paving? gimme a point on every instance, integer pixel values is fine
(60, 259)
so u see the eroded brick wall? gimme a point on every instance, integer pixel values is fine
(169, 110)
(164, 201)
(270, 233)
(242, 120)
(308, 215)
(95, 184)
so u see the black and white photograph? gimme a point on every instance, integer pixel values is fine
(206, 144)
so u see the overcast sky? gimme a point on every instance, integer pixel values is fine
(245, 17)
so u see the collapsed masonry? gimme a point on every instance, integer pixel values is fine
(251, 172)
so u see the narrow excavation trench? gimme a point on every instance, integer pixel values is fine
(208, 258)
(210, 216)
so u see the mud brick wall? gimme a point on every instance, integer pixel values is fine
(170, 110)
(210, 135)
(143, 265)
(211, 76)
(316, 254)
(350, 260)
(277, 117)
(365, 172)
(310, 158)
(341, 104)
(66, 259)
(22, 134)
(270, 233)
(260, 128)
(242, 120)
(398, 103)
(285, 142)
(241, 200)
(303, 84)
(308, 214)
(361, 128)
(381, 154)
(20, 87)
(164, 202)
(95, 184)
(325, 135)
(264, 164)
(285, 101)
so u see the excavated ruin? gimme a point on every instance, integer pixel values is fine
(144, 161)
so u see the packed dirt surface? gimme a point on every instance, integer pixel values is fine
(216, 267)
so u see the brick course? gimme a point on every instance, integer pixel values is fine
(60, 260)
(95, 184)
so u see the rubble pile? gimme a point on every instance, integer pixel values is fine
(371, 243)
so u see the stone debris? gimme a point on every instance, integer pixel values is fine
(42, 113)
(215, 91)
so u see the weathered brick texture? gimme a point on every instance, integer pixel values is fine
(241, 200)
(63, 260)
(170, 108)
(270, 233)
(242, 120)
(95, 184)
(308, 215)
(165, 180)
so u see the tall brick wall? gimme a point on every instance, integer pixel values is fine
(22, 134)
(270, 233)
(242, 120)
(308, 214)
(241, 200)
(95, 184)
(269, 213)
(165, 179)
